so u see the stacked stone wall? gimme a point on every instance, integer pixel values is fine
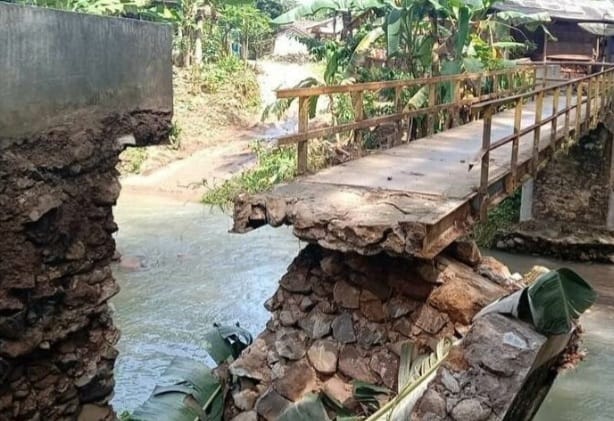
(57, 338)
(574, 187)
(340, 317)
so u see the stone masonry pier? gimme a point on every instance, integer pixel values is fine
(77, 90)
(340, 317)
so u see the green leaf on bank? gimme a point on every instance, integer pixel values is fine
(557, 299)
(307, 409)
(194, 393)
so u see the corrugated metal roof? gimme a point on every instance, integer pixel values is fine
(580, 10)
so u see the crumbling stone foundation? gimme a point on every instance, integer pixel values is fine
(57, 338)
(341, 317)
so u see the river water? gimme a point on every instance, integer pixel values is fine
(194, 273)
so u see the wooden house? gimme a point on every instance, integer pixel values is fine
(573, 41)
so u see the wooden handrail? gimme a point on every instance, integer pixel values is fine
(390, 84)
(492, 90)
(510, 78)
(599, 91)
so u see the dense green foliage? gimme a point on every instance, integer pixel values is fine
(502, 217)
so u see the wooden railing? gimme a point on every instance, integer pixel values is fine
(442, 111)
(582, 94)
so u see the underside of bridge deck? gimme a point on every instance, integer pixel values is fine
(411, 200)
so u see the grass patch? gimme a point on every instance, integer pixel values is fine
(132, 159)
(501, 218)
(273, 166)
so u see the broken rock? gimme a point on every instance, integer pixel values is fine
(323, 356)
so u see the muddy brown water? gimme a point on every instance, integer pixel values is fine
(191, 273)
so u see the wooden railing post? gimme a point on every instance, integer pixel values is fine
(456, 98)
(430, 128)
(398, 107)
(568, 109)
(303, 126)
(357, 104)
(555, 110)
(603, 94)
(539, 108)
(516, 144)
(579, 100)
(589, 100)
(483, 190)
(478, 93)
(495, 85)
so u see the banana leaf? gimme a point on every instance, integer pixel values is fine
(191, 391)
(194, 394)
(315, 6)
(307, 409)
(552, 304)
(557, 299)
(367, 394)
(422, 370)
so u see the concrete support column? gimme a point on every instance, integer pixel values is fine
(526, 201)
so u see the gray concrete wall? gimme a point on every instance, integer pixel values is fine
(59, 67)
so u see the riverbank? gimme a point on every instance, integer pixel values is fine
(211, 149)
(194, 269)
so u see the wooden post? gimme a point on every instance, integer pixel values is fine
(456, 98)
(568, 110)
(479, 89)
(495, 85)
(398, 107)
(359, 114)
(483, 190)
(430, 125)
(555, 110)
(578, 110)
(516, 143)
(589, 100)
(539, 107)
(603, 95)
(303, 126)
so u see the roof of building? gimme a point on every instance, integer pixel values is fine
(577, 10)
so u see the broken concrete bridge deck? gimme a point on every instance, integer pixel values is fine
(411, 200)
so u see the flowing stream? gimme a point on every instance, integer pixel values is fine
(187, 272)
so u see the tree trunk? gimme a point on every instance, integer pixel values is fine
(346, 18)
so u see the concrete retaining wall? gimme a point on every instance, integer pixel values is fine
(58, 67)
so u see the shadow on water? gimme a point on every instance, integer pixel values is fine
(194, 274)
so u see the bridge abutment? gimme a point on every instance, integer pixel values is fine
(337, 318)
(567, 211)
(79, 89)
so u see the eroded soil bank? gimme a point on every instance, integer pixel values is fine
(57, 337)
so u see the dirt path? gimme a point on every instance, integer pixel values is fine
(229, 153)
